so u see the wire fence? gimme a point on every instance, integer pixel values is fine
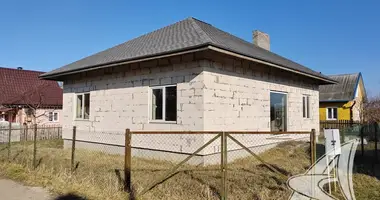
(162, 165)
(216, 165)
(367, 157)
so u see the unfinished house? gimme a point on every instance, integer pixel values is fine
(186, 76)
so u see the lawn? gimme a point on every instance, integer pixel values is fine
(99, 175)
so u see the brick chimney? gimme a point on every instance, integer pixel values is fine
(261, 39)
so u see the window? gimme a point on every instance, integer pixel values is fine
(306, 106)
(83, 106)
(332, 113)
(164, 103)
(278, 115)
(53, 116)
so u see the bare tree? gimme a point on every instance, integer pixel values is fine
(34, 103)
(371, 110)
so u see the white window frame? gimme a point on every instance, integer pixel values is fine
(306, 114)
(163, 87)
(53, 112)
(327, 113)
(75, 105)
(286, 110)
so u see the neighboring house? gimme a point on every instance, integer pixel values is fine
(187, 76)
(342, 101)
(26, 99)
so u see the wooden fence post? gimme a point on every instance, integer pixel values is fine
(9, 138)
(343, 135)
(73, 149)
(223, 165)
(313, 146)
(59, 132)
(376, 140)
(35, 147)
(127, 161)
(362, 139)
(26, 132)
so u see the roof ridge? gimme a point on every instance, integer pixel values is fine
(22, 70)
(196, 19)
(202, 34)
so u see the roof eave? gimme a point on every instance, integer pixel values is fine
(193, 49)
(357, 85)
(222, 50)
(207, 46)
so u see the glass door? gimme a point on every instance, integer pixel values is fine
(278, 110)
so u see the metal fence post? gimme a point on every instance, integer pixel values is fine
(127, 161)
(73, 149)
(9, 138)
(313, 146)
(35, 147)
(224, 166)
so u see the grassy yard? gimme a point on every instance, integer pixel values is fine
(99, 175)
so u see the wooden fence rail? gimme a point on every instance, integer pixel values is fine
(337, 124)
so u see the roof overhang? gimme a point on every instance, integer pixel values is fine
(58, 76)
(328, 81)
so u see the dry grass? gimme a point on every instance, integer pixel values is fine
(97, 174)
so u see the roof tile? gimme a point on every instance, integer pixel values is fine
(25, 87)
(185, 34)
(343, 91)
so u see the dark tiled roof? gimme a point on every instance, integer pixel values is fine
(186, 34)
(24, 87)
(343, 91)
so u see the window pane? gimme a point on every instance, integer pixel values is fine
(329, 113)
(171, 103)
(335, 113)
(50, 116)
(79, 105)
(86, 106)
(55, 116)
(278, 112)
(304, 106)
(308, 106)
(157, 104)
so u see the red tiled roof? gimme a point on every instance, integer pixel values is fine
(21, 87)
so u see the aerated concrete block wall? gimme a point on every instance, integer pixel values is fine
(214, 92)
(237, 97)
(119, 99)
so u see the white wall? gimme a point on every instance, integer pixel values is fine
(239, 99)
(120, 100)
(213, 93)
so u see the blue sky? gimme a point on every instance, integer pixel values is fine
(333, 37)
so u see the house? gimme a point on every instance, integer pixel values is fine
(186, 76)
(342, 101)
(26, 99)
